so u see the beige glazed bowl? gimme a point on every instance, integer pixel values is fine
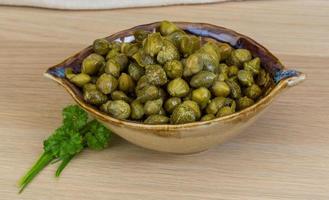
(191, 137)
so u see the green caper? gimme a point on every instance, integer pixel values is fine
(263, 78)
(212, 49)
(119, 95)
(225, 50)
(69, 73)
(156, 74)
(101, 46)
(252, 65)
(80, 79)
(137, 110)
(148, 92)
(140, 35)
(223, 68)
(106, 83)
(112, 54)
(245, 77)
(118, 109)
(176, 37)
(129, 49)
(220, 89)
(174, 69)
(215, 104)
(223, 111)
(230, 103)
(209, 61)
(167, 28)
(185, 113)
(89, 86)
(221, 77)
(208, 117)
(93, 96)
(142, 82)
(162, 94)
(189, 44)
(143, 59)
(253, 91)
(92, 63)
(244, 102)
(203, 79)
(122, 60)
(233, 71)
(113, 68)
(195, 107)
(178, 87)
(126, 83)
(172, 103)
(239, 56)
(201, 96)
(153, 107)
(135, 71)
(192, 65)
(156, 119)
(167, 53)
(115, 45)
(234, 87)
(153, 44)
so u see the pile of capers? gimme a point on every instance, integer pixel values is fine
(169, 77)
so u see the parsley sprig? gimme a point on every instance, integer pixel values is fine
(75, 134)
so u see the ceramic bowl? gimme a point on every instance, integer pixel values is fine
(191, 137)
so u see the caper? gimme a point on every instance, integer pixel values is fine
(226, 110)
(153, 107)
(225, 50)
(234, 87)
(167, 28)
(178, 87)
(173, 69)
(140, 35)
(119, 95)
(137, 110)
(203, 79)
(101, 46)
(215, 104)
(189, 44)
(106, 83)
(135, 71)
(113, 68)
(244, 102)
(233, 71)
(185, 113)
(80, 79)
(201, 96)
(143, 59)
(92, 63)
(118, 109)
(126, 83)
(253, 91)
(239, 56)
(156, 119)
(148, 92)
(245, 77)
(153, 44)
(172, 103)
(207, 117)
(192, 65)
(252, 65)
(155, 74)
(167, 53)
(94, 96)
(220, 89)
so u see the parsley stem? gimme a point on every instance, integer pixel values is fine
(41, 163)
(63, 165)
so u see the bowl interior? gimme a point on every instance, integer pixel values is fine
(269, 61)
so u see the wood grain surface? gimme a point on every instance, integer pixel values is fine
(284, 155)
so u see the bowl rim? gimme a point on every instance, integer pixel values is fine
(240, 115)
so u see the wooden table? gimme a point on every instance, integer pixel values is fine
(284, 155)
